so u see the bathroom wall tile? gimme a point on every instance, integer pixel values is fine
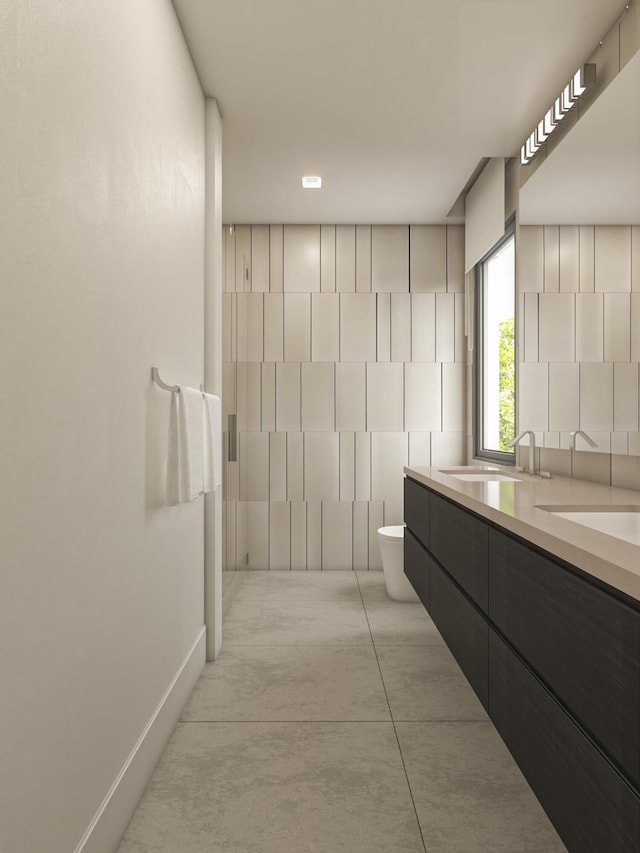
(297, 326)
(428, 258)
(253, 536)
(276, 258)
(357, 327)
(595, 467)
(351, 386)
(229, 250)
(423, 397)
(445, 327)
(569, 259)
(363, 466)
(400, 327)
(295, 466)
(589, 327)
(551, 258)
(385, 397)
(228, 391)
(389, 455)
(314, 536)
(254, 466)
(587, 258)
(625, 397)
(259, 258)
(227, 326)
(318, 397)
(249, 391)
(301, 258)
(454, 392)
(635, 327)
(240, 534)
(564, 396)
(455, 258)
(448, 448)
(280, 536)
(602, 440)
(530, 324)
(533, 399)
(596, 397)
(298, 536)
(556, 326)
(229, 539)
(423, 326)
(278, 466)
(459, 336)
(328, 258)
(617, 326)
(530, 259)
(635, 257)
(274, 327)
(613, 258)
(337, 536)
(419, 448)
(556, 462)
(389, 258)
(625, 472)
(345, 258)
(552, 440)
(268, 423)
(347, 466)
(243, 258)
(363, 258)
(232, 480)
(360, 535)
(393, 513)
(325, 327)
(383, 323)
(250, 326)
(619, 442)
(321, 466)
(634, 443)
(288, 404)
(376, 520)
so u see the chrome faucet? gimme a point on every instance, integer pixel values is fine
(573, 435)
(532, 447)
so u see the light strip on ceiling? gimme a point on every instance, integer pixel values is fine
(581, 81)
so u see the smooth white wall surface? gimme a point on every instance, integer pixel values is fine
(101, 277)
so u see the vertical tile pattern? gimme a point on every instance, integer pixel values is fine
(423, 397)
(383, 325)
(301, 258)
(530, 259)
(569, 259)
(445, 327)
(278, 466)
(385, 397)
(337, 536)
(318, 395)
(360, 535)
(288, 403)
(564, 396)
(347, 466)
(298, 536)
(587, 258)
(259, 258)
(389, 258)
(345, 258)
(276, 258)
(557, 326)
(589, 327)
(297, 326)
(363, 258)
(596, 397)
(351, 397)
(429, 259)
(530, 323)
(328, 258)
(314, 536)
(268, 397)
(617, 327)
(273, 327)
(279, 536)
(357, 327)
(401, 327)
(321, 466)
(423, 327)
(325, 327)
(453, 396)
(613, 258)
(389, 454)
(455, 258)
(625, 397)
(551, 258)
(295, 466)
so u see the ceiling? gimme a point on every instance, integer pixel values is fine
(392, 102)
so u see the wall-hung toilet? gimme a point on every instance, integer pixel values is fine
(391, 542)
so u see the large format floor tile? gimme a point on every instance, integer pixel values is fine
(290, 683)
(372, 586)
(397, 623)
(282, 587)
(469, 794)
(277, 788)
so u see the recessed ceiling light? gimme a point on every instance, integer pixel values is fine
(312, 182)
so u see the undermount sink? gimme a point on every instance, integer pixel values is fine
(478, 475)
(619, 520)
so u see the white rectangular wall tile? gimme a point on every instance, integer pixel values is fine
(625, 397)
(250, 326)
(363, 466)
(569, 259)
(268, 397)
(419, 449)
(298, 536)
(635, 327)
(400, 326)
(288, 403)
(460, 339)
(589, 327)
(393, 513)
(533, 397)
(249, 396)
(423, 397)
(259, 258)
(383, 321)
(613, 258)
(530, 259)
(318, 396)
(345, 258)
(279, 536)
(617, 326)
(278, 466)
(385, 397)
(557, 326)
(376, 520)
(232, 480)
(228, 392)
(551, 258)
(243, 258)
(328, 258)
(357, 327)
(297, 326)
(295, 466)
(454, 392)
(530, 324)
(347, 466)
(256, 539)
(455, 258)
(423, 326)
(325, 327)
(587, 258)
(229, 243)
(390, 258)
(363, 258)
(360, 536)
(314, 536)
(351, 412)
(448, 448)
(445, 327)
(301, 258)
(596, 397)
(230, 536)
(389, 455)
(337, 536)
(276, 258)
(428, 258)
(635, 257)
(253, 456)
(620, 445)
(321, 466)
(564, 396)
(228, 320)
(273, 327)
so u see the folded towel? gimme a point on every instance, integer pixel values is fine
(212, 442)
(185, 469)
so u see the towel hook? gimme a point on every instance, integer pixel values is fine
(155, 376)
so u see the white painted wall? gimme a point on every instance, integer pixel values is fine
(101, 276)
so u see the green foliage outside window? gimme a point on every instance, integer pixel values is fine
(506, 387)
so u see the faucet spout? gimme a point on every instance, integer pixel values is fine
(532, 447)
(573, 435)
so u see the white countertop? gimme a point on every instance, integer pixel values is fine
(511, 504)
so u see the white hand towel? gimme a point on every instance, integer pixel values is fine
(185, 463)
(212, 442)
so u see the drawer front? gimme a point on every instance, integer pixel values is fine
(417, 509)
(460, 541)
(463, 629)
(417, 566)
(583, 643)
(590, 805)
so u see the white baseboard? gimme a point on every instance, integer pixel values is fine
(112, 818)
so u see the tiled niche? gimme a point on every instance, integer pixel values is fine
(344, 359)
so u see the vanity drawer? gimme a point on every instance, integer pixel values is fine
(417, 511)
(584, 643)
(417, 567)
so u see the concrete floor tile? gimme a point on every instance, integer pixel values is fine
(396, 623)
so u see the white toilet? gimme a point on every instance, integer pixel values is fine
(391, 541)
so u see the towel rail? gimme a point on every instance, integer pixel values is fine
(156, 378)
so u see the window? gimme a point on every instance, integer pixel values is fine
(495, 353)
